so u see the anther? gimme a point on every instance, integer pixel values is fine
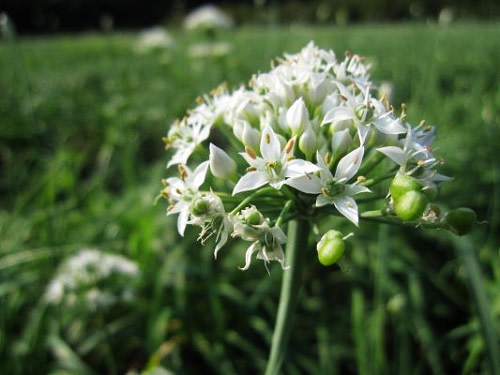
(250, 152)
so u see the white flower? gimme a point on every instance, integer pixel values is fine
(184, 136)
(207, 17)
(415, 157)
(207, 211)
(154, 38)
(335, 189)
(221, 165)
(274, 166)
(182, 191)
(250, 225)
(363, 110)
(93, 278)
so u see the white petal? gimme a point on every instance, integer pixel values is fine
(389, 124)
(270, 146)
(337, 114)
(348, 166)
(251, 181)
(323, 200)
(363, 131)
(248, 255)
(182, 220)
(307, 184)
(396, 154)
(198, 176)
(356, 189)
(299, 167)
(222, 236)
(347, 207)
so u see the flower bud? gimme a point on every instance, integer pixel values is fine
(250, 136)
(297, 116)
(401, 184)
(331, 247)
(341, 141)
(460, 220)
(308, 143)
(411, 205)
(221, 164)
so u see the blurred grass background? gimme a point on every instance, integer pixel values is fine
(81, 161)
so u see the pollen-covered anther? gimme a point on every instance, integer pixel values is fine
(178, 191)
(441, 161)
(421, 163)
(343, 97)
(291, 157)
(268, 138)
(404, 109)
(170, 207)
(251, 169)
(327, 158)
(361, 178)
(182, 172)
(199, 100)
(250, 152)
(325, 191)
(289, 145)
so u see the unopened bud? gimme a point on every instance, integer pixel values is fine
(221, 164)
(297, 116)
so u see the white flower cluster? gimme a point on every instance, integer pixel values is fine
(207, 17)
(93, 279)
(311, 132)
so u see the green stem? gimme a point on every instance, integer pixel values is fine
(298, 233)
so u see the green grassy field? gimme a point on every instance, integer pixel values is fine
(81, 160)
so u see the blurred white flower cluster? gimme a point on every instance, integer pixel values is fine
(94, 280)
(309, 138)
(207, 17)
(154, 39)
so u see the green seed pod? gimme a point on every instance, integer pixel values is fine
(402, 184)
(253, 218)
(330, 248)
(460, 220)
(199, 207)
(411, 205)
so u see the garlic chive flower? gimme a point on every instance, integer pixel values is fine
(335, 189)
(274, 167)
(308, 134)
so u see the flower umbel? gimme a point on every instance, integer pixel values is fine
(309, 134)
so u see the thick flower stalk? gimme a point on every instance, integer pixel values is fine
(314, 136)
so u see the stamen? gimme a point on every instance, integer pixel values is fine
(199, 100)
(325, 191)
(327, 158)
(361, 178)
(250, 152)
(251, 169)
(182, 172)
(289, 145)
(291, 157)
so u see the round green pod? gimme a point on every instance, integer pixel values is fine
(331, 247)
(411, 205)
(402, 184)
(460, 220)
